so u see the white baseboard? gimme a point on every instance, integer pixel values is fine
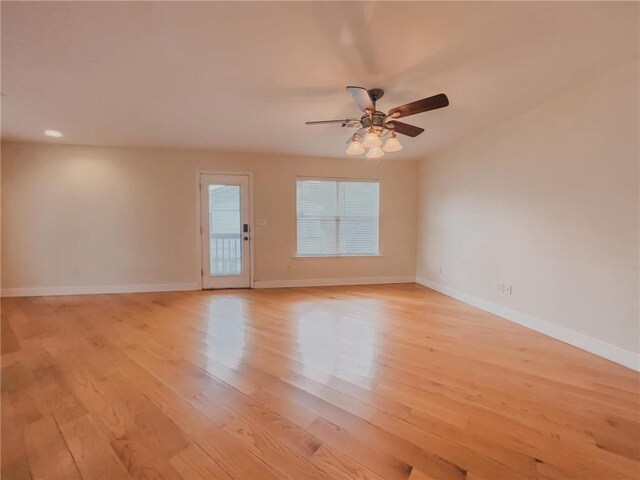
(326, 282)
(580, 340)
(54, 291)
(180, 287)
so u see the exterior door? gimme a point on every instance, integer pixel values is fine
(224, 203)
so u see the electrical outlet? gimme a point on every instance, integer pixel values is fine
(440, 270)
(507, 289)
(500, 287)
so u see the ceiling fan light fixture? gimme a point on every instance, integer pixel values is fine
(375, 152)
(355, 148)
(371, 139)
(392, 144)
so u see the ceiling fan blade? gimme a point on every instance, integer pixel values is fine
(348, 122)
(361, 97)
(424, 105)
(405, 128)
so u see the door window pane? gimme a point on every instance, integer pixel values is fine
(225, 230)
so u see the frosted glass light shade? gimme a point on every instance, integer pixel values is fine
(375, 152)
(371, 140)
(355, 148)
(392, 145)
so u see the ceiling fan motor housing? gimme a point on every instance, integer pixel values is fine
(375, 121)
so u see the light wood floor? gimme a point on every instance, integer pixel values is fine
(365, 382)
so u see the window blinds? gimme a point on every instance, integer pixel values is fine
(337, 217)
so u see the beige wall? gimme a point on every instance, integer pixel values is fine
(548, 202)
(91, 216)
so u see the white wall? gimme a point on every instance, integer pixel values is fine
(91, 216)
(547, 202)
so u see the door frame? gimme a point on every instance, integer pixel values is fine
(199, 174)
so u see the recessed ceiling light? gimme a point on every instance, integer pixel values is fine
(53, 133)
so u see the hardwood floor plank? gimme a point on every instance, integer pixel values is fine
(206, 433)
(19, 390)
(92, 453)
(408, 452)
(138, 436)
(49, 456)
(62, 403)
(9, 339)
(419, 475)
(15, 463)
(339, 465)
(380, 462)
(273, 451)
(248, 410)
(390, 382)
(194, 464)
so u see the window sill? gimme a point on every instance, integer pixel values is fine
(299, 257)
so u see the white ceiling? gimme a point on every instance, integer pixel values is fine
(246, 76)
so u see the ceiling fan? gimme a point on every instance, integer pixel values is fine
(375, 125)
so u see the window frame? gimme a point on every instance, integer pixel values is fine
(337, 255)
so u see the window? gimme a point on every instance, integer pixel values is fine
(337, 217)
